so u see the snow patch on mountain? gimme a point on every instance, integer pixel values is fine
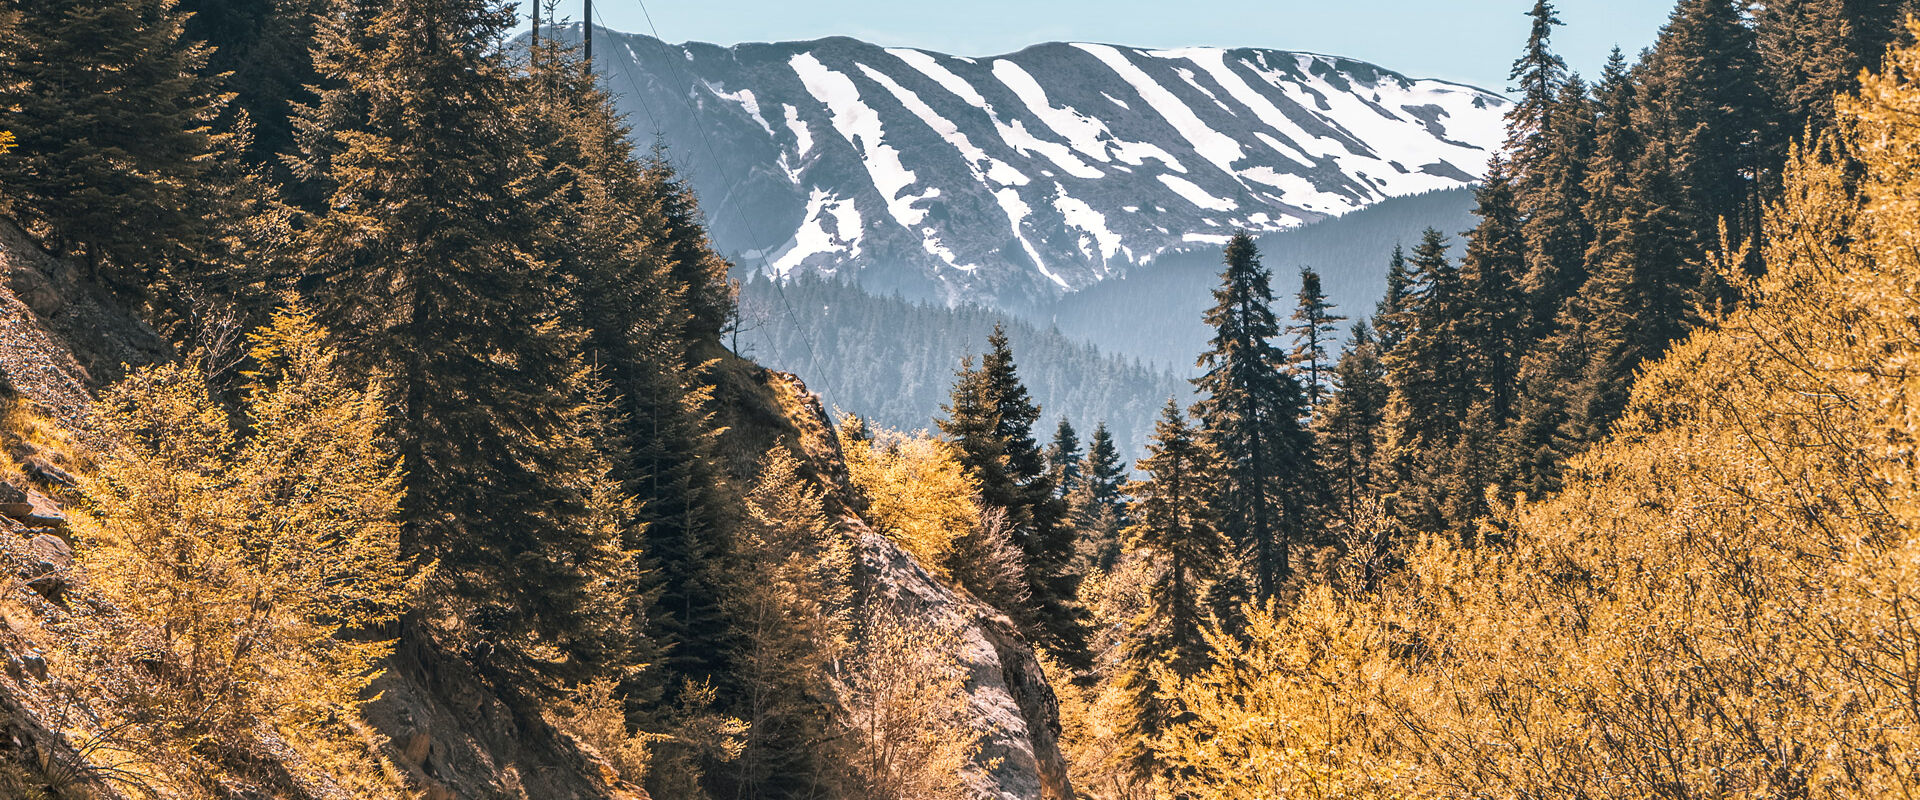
(1010, 179)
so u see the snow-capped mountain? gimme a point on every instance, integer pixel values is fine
(1012, 179)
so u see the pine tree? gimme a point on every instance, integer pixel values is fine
(1807, 46)
(1390, 315)
(1099, 503)
(610, 237)
(1535, 442)
(1876, 26)
(112, 109)
(263, 47)
(1251, 410)
(695, 265)
(430, 263)
(991, 419)
(1176, 527)
(1349, 432)
(1538, 74)
(1494, 330)
(1714, 122)
(1313, 328)
(1549, 194)
(1063, 459)
(1429, 390)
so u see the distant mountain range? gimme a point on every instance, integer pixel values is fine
(1012, 181)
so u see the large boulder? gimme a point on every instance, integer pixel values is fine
(47, 566)
(13, 501)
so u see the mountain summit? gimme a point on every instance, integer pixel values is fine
(1012, 179)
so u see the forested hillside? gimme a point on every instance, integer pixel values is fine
(891, 360)
(371, 430)
(1155, 312)
(424, 470)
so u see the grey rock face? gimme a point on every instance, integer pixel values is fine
(1012, 179)
(1009, 696)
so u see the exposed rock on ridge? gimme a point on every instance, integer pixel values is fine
(1008, 180)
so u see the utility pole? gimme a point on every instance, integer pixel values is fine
(536, 24)
(586, 32)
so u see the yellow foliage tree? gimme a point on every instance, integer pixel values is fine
(918, 494)
(908, 734)
(1722, 601)
(790, 605)
(254, 570)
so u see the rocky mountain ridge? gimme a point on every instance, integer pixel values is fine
(1010, 180)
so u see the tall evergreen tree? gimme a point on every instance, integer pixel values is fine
(991, 419)
(1251, 409)
(112, 111)
(1549, 193)
(1537, 75)
(1807, 46)
(1176, 527)
(264, 48)
(1099, 502)
(1429, 390)
(695, 265)
(1493, 329)
(609, 239)
(430, 263)
(1105, 473)
(1063, 459)
(1314, 324)
(1706, 103)
(1349, 431)
(1487, 336)
(1535, 442)
(1877, 25)
(1390, 315)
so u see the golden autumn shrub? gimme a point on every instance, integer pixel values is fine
(1724, 600)
(252, 568)
(907, 733)
(918, 494)
(596, 715)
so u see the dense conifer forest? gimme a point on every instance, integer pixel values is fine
(892, 360)
(442, 477)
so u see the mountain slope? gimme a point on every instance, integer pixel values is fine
(1155, 313)
(1013, 179)
(892, 361)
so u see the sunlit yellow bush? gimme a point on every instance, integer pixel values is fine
(918, 493)
(252, 570)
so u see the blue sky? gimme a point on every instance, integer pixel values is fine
(1472, 41)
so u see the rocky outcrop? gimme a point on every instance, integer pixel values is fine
(458, 737)
(1012, 703)
(59, 333)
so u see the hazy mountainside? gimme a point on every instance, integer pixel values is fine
(1009, 180)
(1155, 313)
(892, 360)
